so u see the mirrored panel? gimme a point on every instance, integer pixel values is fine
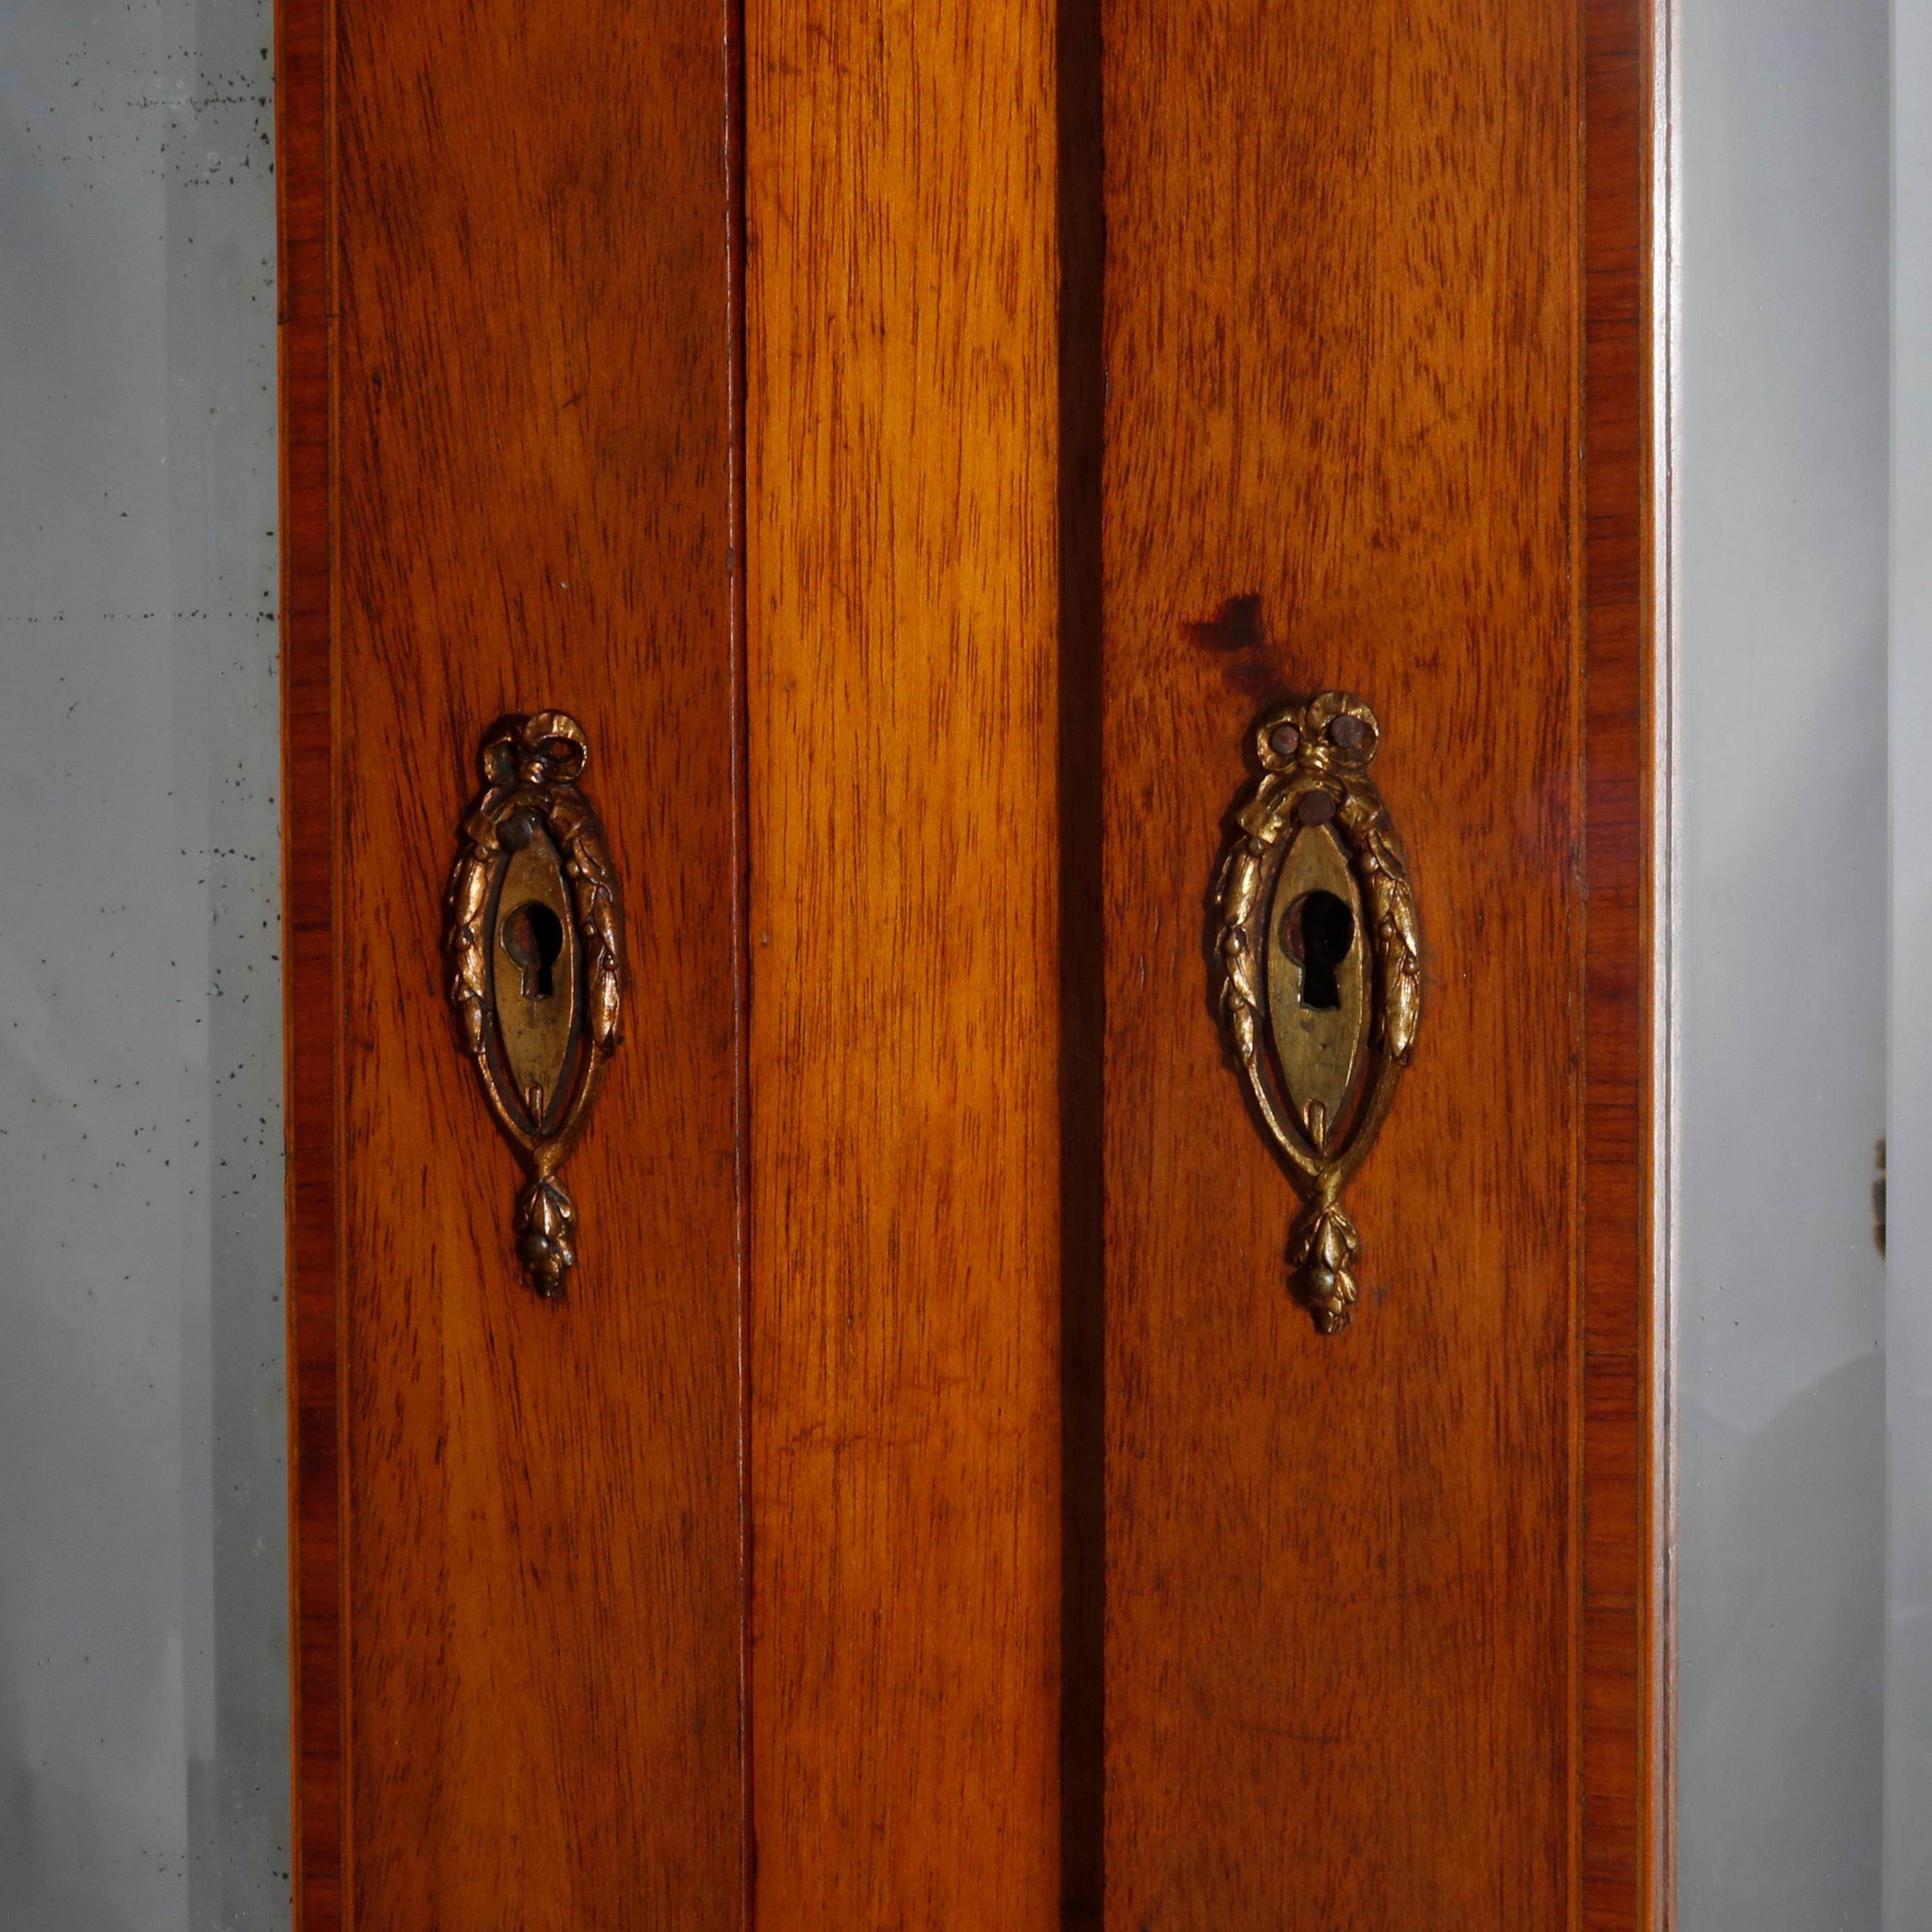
(1783, 431)
(1908, 1671)
(143, 1575)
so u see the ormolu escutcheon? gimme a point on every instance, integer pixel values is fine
(1322, 985)
(536, 962)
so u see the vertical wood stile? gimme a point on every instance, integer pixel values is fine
(1343, 326)
(507, 417)
(901, 425)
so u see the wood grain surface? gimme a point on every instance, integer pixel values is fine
(928, 1481)
(1342, 331)
(529, 504)
(901, 428)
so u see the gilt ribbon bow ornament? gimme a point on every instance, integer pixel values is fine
(535, 951)
(1321, 978)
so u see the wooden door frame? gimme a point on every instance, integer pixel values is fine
(1621, 1721)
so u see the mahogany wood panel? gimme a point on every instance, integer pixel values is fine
(1343, 328)
(515, 220)
(903, 492)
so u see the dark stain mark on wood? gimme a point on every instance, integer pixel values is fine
(1250, 660)
(1236, 626)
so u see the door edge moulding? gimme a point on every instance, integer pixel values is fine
(1624, 1714)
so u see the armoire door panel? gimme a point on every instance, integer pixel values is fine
(1344, 325)
(928, 1505)
(901, 430)
(522, 270)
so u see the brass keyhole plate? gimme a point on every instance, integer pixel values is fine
(535, 949)
(1322, 977)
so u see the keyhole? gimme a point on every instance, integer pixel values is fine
(1318, 930)
(533, 938)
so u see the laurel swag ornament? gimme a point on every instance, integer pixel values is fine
(1322, 985)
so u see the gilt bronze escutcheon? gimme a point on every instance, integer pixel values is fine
(1322, 982)
(536, 963)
